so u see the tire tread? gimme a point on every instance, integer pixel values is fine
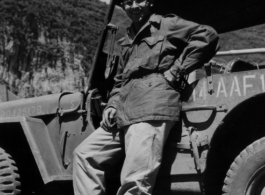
(239, 161)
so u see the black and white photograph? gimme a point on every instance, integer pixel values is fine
(132, 97)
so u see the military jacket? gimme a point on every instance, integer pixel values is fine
(141, 92)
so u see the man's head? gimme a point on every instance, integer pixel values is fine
(138, 11)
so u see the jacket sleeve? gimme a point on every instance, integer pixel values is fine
(114, 94)
(200, 43)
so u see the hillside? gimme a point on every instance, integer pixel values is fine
(248, 38)
(47, 46)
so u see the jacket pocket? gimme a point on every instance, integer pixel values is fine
(141, 99)
(139, 103)
(150, 50)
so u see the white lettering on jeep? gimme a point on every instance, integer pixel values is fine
(221, 85)
(233, 86)
(245, 85)
(26, 111)
(262, 82)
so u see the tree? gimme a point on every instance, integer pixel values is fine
(32, 31)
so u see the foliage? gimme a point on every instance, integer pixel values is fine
(38, 33)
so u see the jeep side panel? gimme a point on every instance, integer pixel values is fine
(39, 140)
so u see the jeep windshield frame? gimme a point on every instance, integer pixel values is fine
(100, 46)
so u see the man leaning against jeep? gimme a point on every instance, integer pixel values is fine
(156, 53)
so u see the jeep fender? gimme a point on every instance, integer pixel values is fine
(242, 125)
(40, 144)
(245, 118)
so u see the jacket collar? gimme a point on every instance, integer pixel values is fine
(127, 41)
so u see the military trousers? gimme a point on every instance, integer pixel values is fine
(143, 145)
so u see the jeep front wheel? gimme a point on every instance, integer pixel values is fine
(246, 175)
(9, 178)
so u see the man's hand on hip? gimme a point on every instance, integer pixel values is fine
(170, 78)
(108, 119)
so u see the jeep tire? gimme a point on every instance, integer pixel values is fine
(9, 178)
(246, 175)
